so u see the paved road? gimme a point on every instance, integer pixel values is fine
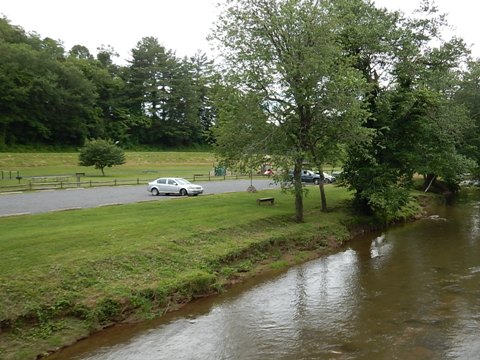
(55, 200)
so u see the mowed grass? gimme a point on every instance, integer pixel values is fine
(82, 256)
(138, 164)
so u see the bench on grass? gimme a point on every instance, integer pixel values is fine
(271, 200)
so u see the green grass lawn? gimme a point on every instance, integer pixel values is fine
(93, 266)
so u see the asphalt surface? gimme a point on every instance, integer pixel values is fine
(59, 200)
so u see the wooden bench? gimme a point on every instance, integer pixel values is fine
(271, 200)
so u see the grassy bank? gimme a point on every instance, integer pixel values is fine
(67, 274)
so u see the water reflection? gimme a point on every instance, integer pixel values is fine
(475, 223)
(409, 293)
(380, 250)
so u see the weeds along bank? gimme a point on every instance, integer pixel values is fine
(66, 275)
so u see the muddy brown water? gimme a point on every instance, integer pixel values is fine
(412, 292)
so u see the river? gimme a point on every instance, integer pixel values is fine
(411, 292)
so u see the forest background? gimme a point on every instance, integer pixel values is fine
(57, 99)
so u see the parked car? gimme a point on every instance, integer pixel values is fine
(174, 186)
(310, 176)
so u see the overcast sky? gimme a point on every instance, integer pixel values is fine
(180, 25)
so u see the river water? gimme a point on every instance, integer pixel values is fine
(411, 292)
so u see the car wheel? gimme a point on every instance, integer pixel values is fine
(155, 192)
(183, 192)
(316, 181)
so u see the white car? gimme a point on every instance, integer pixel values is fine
(174, 186)
(328, 178)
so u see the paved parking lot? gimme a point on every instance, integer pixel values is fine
(55, 200)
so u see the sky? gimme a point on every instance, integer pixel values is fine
(179, 25)
(462, 15)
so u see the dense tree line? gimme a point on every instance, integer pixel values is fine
(50, 96)
(343, 79)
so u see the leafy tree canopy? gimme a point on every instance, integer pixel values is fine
(290, 82)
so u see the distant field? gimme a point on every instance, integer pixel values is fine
(139, 164)
(38, 164)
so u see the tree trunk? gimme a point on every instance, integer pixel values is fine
(323, 198)
(297, 183)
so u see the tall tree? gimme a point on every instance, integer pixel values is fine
(149, 85)
(285, 53)
(468, 96)
(80, 52)
(169, 96)
(413, 79)
(203, 78)
(47, 99)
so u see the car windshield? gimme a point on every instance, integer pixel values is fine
(182, 181)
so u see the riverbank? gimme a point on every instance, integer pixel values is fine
(69, 274)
